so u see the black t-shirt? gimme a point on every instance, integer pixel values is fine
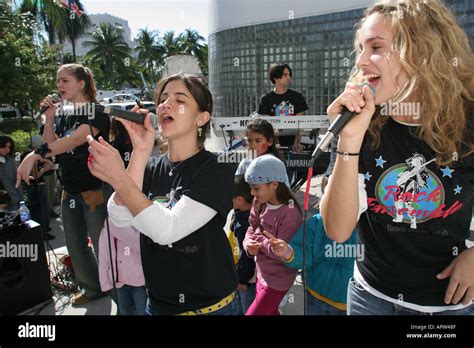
(198, 270)
(76, 176)
(290, 103)
(417, 219)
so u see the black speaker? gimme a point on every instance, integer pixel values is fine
(24, 275)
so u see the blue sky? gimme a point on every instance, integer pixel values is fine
(162, 15)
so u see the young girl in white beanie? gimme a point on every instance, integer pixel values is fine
(275, 211)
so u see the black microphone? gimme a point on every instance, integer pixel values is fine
(55, 99)
(127, 115)
(339, 123)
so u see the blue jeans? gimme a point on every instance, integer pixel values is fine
(83, 215)
(362, 302)
(318, 307)
(247, 297)
(38, 204)
(132, 300)
(232, 308)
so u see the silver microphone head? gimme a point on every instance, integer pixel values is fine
(153, 120)
(55, 98)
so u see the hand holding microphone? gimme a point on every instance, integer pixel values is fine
(140, 125)
(351, 128)
(48, 107)
(356, 99)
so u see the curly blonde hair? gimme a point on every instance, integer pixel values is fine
(435, 53)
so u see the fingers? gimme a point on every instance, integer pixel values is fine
(452, 284)
(450, 291)
(459, 294)
(44, 160)
(48, 101)
(96, 147)
(352, 100)
(369, 99)
(106, 144)
(20, 177)
(269, 236)
(254, 245)
(23, 172)
(447, 271)
(147, 124)
(127, 124)
(469, 297)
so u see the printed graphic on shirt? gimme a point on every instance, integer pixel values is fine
(285, 108)
(69, 130)
(170, 200)
(411, 193)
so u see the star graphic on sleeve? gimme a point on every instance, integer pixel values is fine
(367, 176)
(457, 190)
(379, 162)
(447, 172)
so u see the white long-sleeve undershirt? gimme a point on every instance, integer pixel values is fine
(164, 226)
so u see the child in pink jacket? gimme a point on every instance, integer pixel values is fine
(275, 211)
(128, 272)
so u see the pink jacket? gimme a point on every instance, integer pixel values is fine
(283, 223)
(125, 243)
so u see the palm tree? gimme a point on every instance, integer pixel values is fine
(110, 52)
(172, 44)
(191, 42)
(150, 52)
(68, 58)
(58, 22)
(202, 56)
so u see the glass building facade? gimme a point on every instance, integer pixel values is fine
(319, 49)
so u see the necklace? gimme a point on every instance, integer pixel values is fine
(174, 167)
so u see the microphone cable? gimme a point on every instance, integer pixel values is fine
(114, 286)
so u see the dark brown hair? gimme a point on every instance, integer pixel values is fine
(198, 90)
(82, 73)
(242, 188)
(284, 196)
(266, 129)
(4, 140)
(276, 71)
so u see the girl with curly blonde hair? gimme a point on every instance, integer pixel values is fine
(420, 65)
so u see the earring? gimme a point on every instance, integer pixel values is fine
(200, 132)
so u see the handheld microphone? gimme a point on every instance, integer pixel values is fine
(127, 115)
(339, 123)
(55, 99)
